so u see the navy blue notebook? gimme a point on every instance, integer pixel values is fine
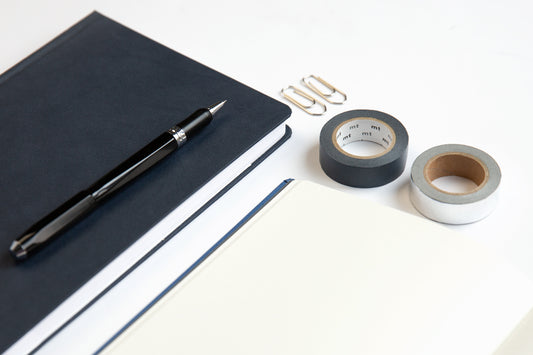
(75, 109)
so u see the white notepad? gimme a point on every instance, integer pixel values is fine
(317, 271)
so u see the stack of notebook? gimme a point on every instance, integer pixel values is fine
(75, 109)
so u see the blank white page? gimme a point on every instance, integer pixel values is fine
(318, 271)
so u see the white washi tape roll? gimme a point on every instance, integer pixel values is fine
(454, 160)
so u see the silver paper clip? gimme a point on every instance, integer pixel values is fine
(328, 96)
(307, 107)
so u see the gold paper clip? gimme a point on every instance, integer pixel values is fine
(306, 107)
(325, 95)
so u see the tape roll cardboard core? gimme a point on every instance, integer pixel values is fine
(364, 129)
(456, 164)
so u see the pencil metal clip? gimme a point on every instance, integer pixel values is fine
(328, 95)
(307, 107)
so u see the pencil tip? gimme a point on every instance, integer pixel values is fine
(17, 250)
(214, 108)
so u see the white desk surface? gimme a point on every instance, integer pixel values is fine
(451, 72)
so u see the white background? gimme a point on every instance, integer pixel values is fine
(450, 71)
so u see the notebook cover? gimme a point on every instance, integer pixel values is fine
(75, 109)
(312, 270)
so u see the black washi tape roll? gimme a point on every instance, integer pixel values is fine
(363, 125)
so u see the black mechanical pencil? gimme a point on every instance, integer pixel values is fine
(85, 201)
